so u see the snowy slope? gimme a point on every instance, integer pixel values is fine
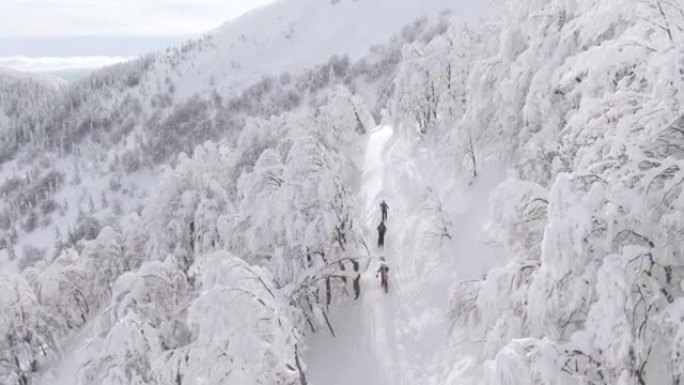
(291, 35)
(127, 119)
(19, 88)
(582, 101)
(82, 173)
(533, 167)
(24, 98)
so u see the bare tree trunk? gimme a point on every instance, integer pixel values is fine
(302, 376)
(327, 321)
(360, 128)
(471, 151)
(667, 27)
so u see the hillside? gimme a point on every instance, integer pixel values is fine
(295, 35)
(575, 276)
(96, 149)
(21, 96)
(9, 74)
(224, 231)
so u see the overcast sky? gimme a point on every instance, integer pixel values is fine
(60, 36)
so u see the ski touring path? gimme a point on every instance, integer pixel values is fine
(379, 308)
(401, 338)
(393, 321)
(363, 351)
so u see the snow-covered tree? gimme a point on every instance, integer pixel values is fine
(140, 323)
(583, 100)
(26, 338)
(242, 329)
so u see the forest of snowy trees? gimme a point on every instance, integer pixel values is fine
(161, 289)
(252, 228)
(584, 101)
(127, 120)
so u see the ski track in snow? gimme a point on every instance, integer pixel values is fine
(361, 353)
(379, 307)
(397, 339)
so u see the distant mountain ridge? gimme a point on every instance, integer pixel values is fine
(7, 74)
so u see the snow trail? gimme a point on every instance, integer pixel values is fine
(410, 326)
(347, 358)
(361, 353)
(374, 172)
(401, 338)
(381, 307)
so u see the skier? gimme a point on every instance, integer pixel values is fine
(381, 235)
(384, 207)
(383, 272)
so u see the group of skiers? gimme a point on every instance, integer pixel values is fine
(383, 271)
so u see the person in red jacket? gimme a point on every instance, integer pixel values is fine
(383, 272)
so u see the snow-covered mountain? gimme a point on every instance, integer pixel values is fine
(211, 211)
(114, 128)
(96, 189)
(294, 35)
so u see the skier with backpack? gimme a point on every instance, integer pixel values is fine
(384, 208)
(381, 235)
(383, 273)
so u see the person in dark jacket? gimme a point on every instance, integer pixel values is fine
(384, 208)
(381, 234)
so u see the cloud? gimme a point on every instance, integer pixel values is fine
(125, 46)
(58, 64)
(21, 18)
